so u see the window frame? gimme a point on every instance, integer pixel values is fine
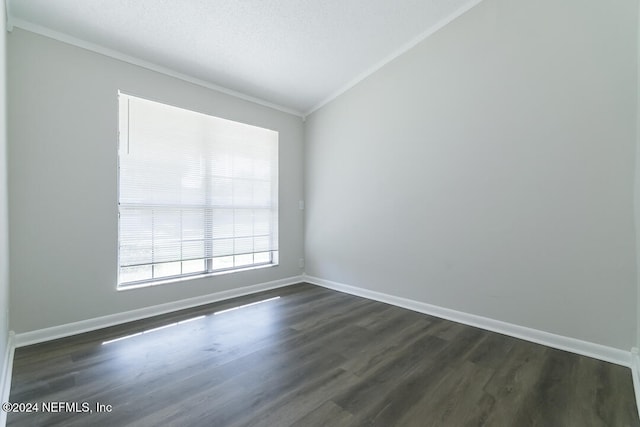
(208, 227)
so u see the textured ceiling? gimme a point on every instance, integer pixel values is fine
(296, 54)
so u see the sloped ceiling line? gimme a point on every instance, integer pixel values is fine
(291, 55)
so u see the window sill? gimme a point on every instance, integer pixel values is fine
(150, 283)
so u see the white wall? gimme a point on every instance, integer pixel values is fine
(4, 210)
(637, 181)
(490, 170)
(62, 181)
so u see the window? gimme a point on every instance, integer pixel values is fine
(197, 194)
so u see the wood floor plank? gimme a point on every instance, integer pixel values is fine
(328, 411)
(314, 357)
(427, 374)
(514, 380)
(403, 375)
(455, 400)
(288, 407)
(549, 397)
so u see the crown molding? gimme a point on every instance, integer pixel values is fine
(65, 38)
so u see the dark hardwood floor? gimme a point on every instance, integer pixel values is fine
(313, 357)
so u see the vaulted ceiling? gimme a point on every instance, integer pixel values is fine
(293, 54)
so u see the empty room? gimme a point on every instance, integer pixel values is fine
(327, 213)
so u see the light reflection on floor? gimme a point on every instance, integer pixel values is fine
(245, 305)
(190, 320)
(153, 330)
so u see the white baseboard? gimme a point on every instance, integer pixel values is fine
(585, 348)
(61, 331)
(5, 379)
(609, 354)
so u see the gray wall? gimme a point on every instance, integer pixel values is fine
(490, 170)
(62, 181)
(637, 185)
(4, 209)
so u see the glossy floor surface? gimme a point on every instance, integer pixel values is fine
(312, 357)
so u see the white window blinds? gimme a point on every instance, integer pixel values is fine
(197, 194)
